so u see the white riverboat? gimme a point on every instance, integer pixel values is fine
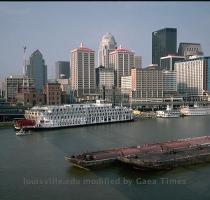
(195, 110)
(46, 117)
(168, 113)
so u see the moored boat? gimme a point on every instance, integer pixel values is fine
(195, 110)
(49, 117)
(168, 113)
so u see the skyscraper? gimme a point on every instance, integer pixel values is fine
(37, 70)
(83, 71)
(107, 45)
(189, 49)
(137, 61)
(62, 70)
(164, 42)
(193, 76)
(122, 60)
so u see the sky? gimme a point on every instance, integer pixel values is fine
(55, 28)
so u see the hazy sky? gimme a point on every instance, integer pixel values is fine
(55, 28)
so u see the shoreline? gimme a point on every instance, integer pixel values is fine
(6, 124)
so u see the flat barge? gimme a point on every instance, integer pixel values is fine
(157, 156)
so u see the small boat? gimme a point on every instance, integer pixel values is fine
(23, 132)
(168, 113)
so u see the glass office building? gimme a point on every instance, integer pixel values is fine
(164, 42)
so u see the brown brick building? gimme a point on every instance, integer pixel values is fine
(30, 98)
(52, 92)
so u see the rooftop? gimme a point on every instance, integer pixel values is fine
(82, 48)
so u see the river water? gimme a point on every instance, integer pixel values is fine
(33, 167)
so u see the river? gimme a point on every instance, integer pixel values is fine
(33, 167)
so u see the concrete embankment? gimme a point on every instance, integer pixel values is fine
(6, 124)
(145, 115)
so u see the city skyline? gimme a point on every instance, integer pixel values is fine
(55, 28)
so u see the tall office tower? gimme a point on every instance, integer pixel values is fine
(164, 42)
(107, 45)
(37, 70)
(137, 62)
(83, 71)
(193, 76)
(62, 70)
(168, 62)
(121, 60)
(189, 49)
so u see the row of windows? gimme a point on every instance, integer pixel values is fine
(82, 112)
(74, 120)
(83, 118)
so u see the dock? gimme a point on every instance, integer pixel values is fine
(157, 156)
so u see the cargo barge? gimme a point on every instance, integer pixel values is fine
(158, 156)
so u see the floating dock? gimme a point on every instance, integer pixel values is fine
(158, 156)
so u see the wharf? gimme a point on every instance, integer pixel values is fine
(150, 156)
(145, 115)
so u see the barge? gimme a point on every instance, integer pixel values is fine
(157, 156)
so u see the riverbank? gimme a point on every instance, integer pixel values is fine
(6, 124)
(145, 115)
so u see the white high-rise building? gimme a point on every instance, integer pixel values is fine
(107, 45)
(193, 76)
(126, 84)
(121, 60)
(83, 71)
